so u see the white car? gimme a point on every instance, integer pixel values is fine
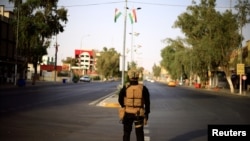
(85, 79)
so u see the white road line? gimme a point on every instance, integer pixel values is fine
(100, 99)
(146, 138)
(146, 131)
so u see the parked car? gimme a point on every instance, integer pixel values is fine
(171, 83)
(85, 79)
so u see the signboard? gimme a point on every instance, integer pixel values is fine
(240, 69)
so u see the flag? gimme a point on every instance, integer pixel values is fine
(132, 16)
(117, 14)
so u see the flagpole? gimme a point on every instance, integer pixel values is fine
(132, 42)
(124, 43)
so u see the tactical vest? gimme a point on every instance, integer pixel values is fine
(133, 101)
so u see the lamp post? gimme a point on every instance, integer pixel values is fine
(56, 50)
(124, 42)
(132, 30)
(17, 40)
(241, 23)
(132, 43)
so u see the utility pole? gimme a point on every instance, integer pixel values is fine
(56, 50)
(241, 50)
(17, 40)
(124, 42)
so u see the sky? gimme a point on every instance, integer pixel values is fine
(91, 26)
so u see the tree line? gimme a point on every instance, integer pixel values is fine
(211, 40)
(107, 64)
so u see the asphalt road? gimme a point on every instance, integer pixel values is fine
(67, 112)
(182, 114)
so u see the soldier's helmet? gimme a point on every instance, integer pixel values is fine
(133, 74)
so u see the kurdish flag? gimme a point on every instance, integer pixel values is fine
(117, 14)
(132, 16)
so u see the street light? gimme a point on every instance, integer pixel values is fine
(17, 41)
(132, 29)
(124, 40)
(132, 43)
(56, 50)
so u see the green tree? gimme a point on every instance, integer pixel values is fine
(243, 12)
(36, 22)
(212, 35)
(108, 63)
(71, 61)
(174, 57)
(132, 65)
(156, 70)
(243, 18)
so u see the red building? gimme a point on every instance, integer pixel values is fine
(87, 59)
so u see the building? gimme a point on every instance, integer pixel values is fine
(11, 64)
(86, 62)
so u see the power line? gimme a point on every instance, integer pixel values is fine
(172, 5)
(82, 5)
(92, 4)
(145, 3)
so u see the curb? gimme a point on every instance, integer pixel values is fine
(111, 102)
(110, 105)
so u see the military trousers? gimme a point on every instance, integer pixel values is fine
(128, 121)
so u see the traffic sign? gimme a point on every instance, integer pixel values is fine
(240, 69)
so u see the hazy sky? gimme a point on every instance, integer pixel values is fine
(91, 26)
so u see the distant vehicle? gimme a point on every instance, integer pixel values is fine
(171, 83)
(85, 79)
(111, 79)
(148, 79)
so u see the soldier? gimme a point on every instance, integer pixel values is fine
(135, 99)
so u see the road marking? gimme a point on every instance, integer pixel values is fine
(146, 138)
(102, 98)
(146, 131)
